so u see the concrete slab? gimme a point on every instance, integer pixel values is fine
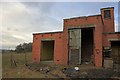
(108, 63)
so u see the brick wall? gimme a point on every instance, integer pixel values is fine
(86, 22)
(100, 26)
(58, 47)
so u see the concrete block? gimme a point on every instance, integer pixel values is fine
(108, 63)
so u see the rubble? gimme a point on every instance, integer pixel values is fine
(73, 71)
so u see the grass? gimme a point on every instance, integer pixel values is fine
(19, 58)
(21, 71)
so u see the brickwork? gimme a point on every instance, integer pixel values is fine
(101, 29)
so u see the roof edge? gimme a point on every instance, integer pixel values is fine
(82, 17)
(48, 32)
(107, 8)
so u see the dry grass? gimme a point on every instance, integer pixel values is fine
(56, 71)
(19, 59)
(21, 71)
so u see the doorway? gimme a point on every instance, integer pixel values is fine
(80, 45)
(47, 51)
(87, 45)
(115, 46)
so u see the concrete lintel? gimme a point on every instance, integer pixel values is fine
(113, 39)
(48, 39)
(83, 26)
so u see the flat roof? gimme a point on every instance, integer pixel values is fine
(107, 8)
(82, 17)
(47, 32)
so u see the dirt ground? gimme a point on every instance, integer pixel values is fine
(68, 71)
(28, 69)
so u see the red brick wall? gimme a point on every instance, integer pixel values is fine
(108, 37)
(113, 36)
(36, 49)
(100, 25)
(58, 47)
(106, 43)
(108, 27)
(108, 23)
(96, 20)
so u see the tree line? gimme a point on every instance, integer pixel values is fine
(25, 47)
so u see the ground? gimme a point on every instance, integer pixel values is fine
(24, 68)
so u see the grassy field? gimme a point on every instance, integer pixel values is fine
(22, 71)
(12, 71)
(19, 58)
(49, 70)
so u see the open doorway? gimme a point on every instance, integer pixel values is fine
(47, 50)
(87, 45)
(81, 45)
(115, 46)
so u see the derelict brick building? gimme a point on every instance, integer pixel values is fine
(84, 39)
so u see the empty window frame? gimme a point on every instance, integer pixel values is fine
(107, 14)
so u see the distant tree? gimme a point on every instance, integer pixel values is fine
(19, 48)
(6, 50)
(25, 47)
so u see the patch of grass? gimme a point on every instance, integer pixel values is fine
(9, 71)
(19, 58)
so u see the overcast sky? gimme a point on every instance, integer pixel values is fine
(19, 20)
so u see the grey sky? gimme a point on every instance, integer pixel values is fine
(21, 19)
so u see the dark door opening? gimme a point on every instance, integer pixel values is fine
(47, 51)
(115, 45)
(87, 45)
